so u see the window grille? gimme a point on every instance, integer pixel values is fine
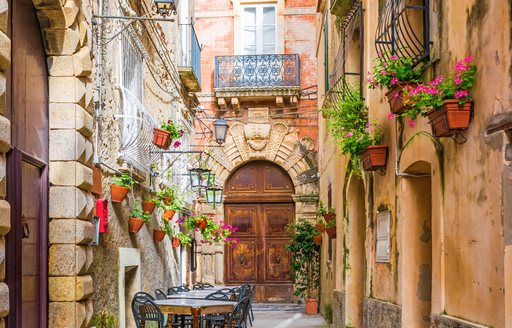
(403, 29)
(348, 62)
(383, 240)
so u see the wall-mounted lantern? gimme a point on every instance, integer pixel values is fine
(221, 129)
(199, 178)
(214, 195)
(166, 7)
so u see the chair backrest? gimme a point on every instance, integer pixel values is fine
(207, 286)
(160, 295)
(198, 286)
(238, 317)
(245, 289)
(144, 309)
(235, 293)
(218, 296)
(185, 288)
(174, 290)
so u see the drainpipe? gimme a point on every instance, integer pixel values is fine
(99, 80)
(397, 161)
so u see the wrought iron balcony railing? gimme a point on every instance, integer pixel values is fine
(257, 71)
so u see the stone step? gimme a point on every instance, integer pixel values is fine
(285, 307)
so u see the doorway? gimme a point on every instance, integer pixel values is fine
(259, 202)
(415, 217)
(27, 170)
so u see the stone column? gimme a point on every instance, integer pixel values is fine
(5, 143)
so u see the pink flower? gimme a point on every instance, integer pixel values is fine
(391, 115)
(368, 124)
(468, 59)
(461, 94)
(182, 132)
(383, 72)
(435, 82)
(394, 81)
(411, 122)
(349, 134)
(379, 53)
(457, 80)
(395, 57)
(177, 144)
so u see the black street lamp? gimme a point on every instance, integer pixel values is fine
(166, 7)
(221, 129)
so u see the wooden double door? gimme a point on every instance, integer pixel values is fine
(258, 202)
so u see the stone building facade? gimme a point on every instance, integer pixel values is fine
(443, 204)
(72, 118)
(272, 116)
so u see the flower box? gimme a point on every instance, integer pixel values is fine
(318, 239)
(161, 138)
(374, 157)
(396, 98)
(450, 118)
(331, 232)
(135, 225)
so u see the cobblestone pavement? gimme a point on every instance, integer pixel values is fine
(279, 319)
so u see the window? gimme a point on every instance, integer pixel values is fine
(383, 242)
(259, 29)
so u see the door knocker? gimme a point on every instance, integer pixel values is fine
(278, 259)
(242, 260)
(25, 232)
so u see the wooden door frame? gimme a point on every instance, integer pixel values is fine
(15, 158)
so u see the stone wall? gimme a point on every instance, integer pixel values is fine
(443, 321)
(5, 142)
(338, 309)
(381, 314)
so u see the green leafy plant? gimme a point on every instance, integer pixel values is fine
(104, 319)
(331, 224)
(123, 180)
(304, 258)
(137, 212)
(175, 130)
(327, 312)
(392, 70)
(185, 239)
(426, 97)
(349, 125)
(212, 232)
(167, 228)
(321, 210)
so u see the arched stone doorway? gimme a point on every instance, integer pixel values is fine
(259, 202)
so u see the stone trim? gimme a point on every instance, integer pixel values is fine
(381, 314)
(445, 321)
(338, 309)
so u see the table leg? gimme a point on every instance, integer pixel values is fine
(169, 320)
(195, 314)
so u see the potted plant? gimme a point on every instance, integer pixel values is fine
(104, 319)
(170, 210)
(137, 218)
(396, 74)
(320, 213)
(185, 239)
(304, 262)
(318, 239)
(320, 225)
(354, 133)
(330, 229)
(211, 231)
(330, 215)
(446, 102)
(159, 234)
(121, 184)
(166, 195)
(148, 206)
(169, 131)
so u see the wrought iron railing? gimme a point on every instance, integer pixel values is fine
(403, 29)
(190, 50)
(257, 71)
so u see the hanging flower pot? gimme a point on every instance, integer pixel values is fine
(451, 118)
(329, 216)
(331, 232)
(396, 97)
(374, 157)
(161, 138)
(318, 239)
(320, 227)
(201, 224)
(158, 235)
(168, 214)
(118, 193)
(136, 224)
(148, 207)
(175, 242)
(166, 200)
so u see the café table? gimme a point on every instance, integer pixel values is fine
(193, 307)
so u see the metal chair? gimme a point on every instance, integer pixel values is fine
(198, 286)
(218, 296)
(238, 318)
(145, 310)
(160, 295)
(235, 293)
(213, 319)
(185, 288)
(207, 286)
(174, 290)
(251, 313)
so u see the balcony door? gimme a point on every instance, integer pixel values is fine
(259, 29)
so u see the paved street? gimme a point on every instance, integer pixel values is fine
(276, 319)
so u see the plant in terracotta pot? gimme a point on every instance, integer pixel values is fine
(167, 195)
(395, 73)
(148, 205)
(169, 131)
(120, 187)
(446, 101)
(159, 234)
(210, 231)
(137, 218)
(185, 239)
(320, 225)
(330, 229)
(304, 262)
(356, 136)
(330, 215)
(318, 239)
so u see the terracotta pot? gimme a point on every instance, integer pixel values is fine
(176, 242)
(148, 207)
(161, 138)
(136, 224)
(118, 193)
(201, 224)
(450, 118)
(396, 98)
(374, 157)
(166, 200)
(168, 214)
(320, 227)
(311, 306)
(329, 216)
(331, 232)
(158, 235)
(318, 239)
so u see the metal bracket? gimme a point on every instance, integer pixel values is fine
(459, 138)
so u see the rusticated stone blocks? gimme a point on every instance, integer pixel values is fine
(338, 309)
(444, 321)
(68, 289)
(381, 314)
(71, 231)
(72, 174)
(66, 314)
(67, 260)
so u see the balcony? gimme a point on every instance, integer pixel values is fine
(257, 76)
(190, 61)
